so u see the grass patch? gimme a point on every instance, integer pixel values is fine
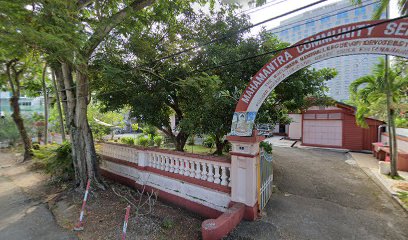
(395, 177)
(198, 149)
(403, 196)
(55, 160)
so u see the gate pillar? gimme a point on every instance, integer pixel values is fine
(244, 172)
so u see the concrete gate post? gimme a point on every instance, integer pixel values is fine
(244, 172)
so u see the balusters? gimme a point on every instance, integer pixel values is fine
(217, 174)
(210, 173)
(176, 164)
(162, 162)
(192, 174)
(167, 162)
(172, 163)
(204, 172)
(229, 177)
(198, 170)
(187, 168)
(223, 176)
(181, 171)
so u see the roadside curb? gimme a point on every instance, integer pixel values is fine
(380, 184)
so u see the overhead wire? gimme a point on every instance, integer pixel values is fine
(277, 50)
(229, 34)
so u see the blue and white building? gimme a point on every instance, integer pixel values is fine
(349, 68)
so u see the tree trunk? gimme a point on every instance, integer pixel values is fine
(219, 144)
(57, 95)
(28, 152)
(13, 76)
(68, 86)
(391, 126)
(180, 141)
(86, 148)
(44, 87)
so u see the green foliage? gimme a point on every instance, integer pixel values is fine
(158, 140)
(8, 130)
(168, 223)
(135, 126)
(128, 140)
(150, 131)
(368, 93)
(227, 147)
(209, 142)
(267, 147)
(401, 122)
(56, 160)
(143, 141)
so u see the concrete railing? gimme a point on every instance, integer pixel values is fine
(197, 182)
(211, 171)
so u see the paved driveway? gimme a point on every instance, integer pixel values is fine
(23, 217)
(320, 196)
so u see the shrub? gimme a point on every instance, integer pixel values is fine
(190, 140)
(227, 146)
(143, 141)
(158, 140)
(128, 140)
(56, 161)
(208, 142)
(267, 147)
(150, 130)
(8, 130)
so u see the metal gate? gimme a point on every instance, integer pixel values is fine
(265, 178)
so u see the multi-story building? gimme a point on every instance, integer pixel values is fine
(349, 68)
(27, 105)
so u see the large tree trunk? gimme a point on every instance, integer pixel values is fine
(13, 76)
(45, 93)
(68, 86)
(28, 152)
(85, 149)
(57, 95)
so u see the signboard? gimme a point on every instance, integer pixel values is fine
(369, 37)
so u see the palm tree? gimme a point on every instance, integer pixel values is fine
(382, 7)
(370, 93)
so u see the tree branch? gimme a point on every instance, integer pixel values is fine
(102, 31)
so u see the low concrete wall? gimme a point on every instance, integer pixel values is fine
(195, 182)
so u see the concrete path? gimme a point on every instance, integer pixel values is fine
(321, 196)
(24, 216)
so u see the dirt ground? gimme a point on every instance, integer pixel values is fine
(105, 213)
(105, 210)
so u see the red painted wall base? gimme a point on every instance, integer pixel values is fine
(165, 196)
(214, 229)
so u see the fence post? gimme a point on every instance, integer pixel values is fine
(244, 173)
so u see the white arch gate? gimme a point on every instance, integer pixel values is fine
(388, 37)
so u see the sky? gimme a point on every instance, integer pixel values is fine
(282, 6)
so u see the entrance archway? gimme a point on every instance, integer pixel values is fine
(370, 37)
(389, 37)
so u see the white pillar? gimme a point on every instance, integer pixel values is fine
(244, 171)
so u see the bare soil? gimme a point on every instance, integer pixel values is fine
(105, 213)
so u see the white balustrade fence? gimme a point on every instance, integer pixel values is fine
(120, 152)
(217, 172)
(212, 171)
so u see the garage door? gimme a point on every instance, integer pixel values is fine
(322, 132)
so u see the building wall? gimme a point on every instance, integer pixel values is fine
(295, 127)
(352, 134)
(311, 22)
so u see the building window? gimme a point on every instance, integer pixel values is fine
(342, 15)
(360, 11)
(309, 116)
(334, 115)
(296, 28)
(310, 24)
(321, 116)
(325, 20)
